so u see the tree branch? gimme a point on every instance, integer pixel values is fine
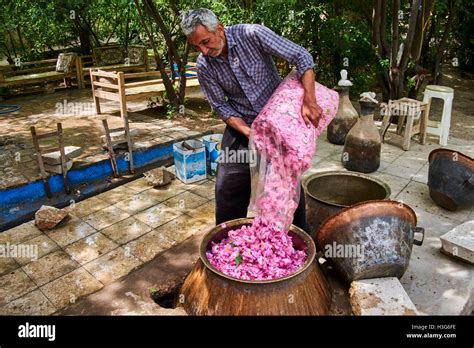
(376, 26)
(410, 34)
(383, 28)
(159, 62)
(395, 32)
(153, 12)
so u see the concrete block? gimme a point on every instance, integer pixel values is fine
(53, 158)
(120, 135)
(459, 242)
(48, 217)
(158, 177)
(380, 296)
(57, 169)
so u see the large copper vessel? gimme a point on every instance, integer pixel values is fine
(328, 193)
(207, 291)
(451, 179)
(370, 240)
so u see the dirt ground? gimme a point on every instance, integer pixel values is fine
(151, 123)
(462, 117)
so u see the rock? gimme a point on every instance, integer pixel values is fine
(459, 242)
(119, 135)
(55, 156)
(48, 217)
(380, 296)
(158, 177)
(190, 146)
(57, 169)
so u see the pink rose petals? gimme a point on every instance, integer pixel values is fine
(285, 148)
(256, 252)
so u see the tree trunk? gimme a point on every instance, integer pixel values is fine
(173, 98)
(442, 45)
(86, 46)
(393, 81)
(12, 43)
(20, 38)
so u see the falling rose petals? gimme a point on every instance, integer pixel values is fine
(285, 147)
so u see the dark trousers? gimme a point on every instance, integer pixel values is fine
(233, 185)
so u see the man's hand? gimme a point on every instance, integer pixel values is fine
(311, 112)
(239, 125)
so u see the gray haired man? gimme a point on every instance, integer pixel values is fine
(237, 74)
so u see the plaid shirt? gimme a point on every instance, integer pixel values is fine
(242, 86)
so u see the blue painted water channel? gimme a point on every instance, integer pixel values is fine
(18, 204)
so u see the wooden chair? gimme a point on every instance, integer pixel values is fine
(407, 110)
(111, 85)
(55, 159)
(111, 143)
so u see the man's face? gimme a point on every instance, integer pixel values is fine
(207, 42)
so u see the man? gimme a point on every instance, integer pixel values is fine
(237, 74)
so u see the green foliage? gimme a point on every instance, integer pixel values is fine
(411, 81)
(336, 33)
(38, 29)
(463, 38)
(170, 110)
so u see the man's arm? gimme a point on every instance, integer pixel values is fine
(310, 109)
(239, 124)
(216, 97)
(275, 45)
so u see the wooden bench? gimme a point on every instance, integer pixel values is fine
(65, 67)
(115, 58)
(115, 88)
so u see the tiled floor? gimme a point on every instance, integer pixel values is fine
(106, 237)
(436, 283)
(113, 233)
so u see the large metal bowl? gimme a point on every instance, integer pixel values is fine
(451, 179)
(328, 193)
(370, 240)
(301, 241)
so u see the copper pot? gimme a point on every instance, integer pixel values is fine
(207, 291)
(370, 240)
(328, 193)
(451, 179)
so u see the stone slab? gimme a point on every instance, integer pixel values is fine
(57, 168)
(54, 157)
(380, 296)
(459, 242)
